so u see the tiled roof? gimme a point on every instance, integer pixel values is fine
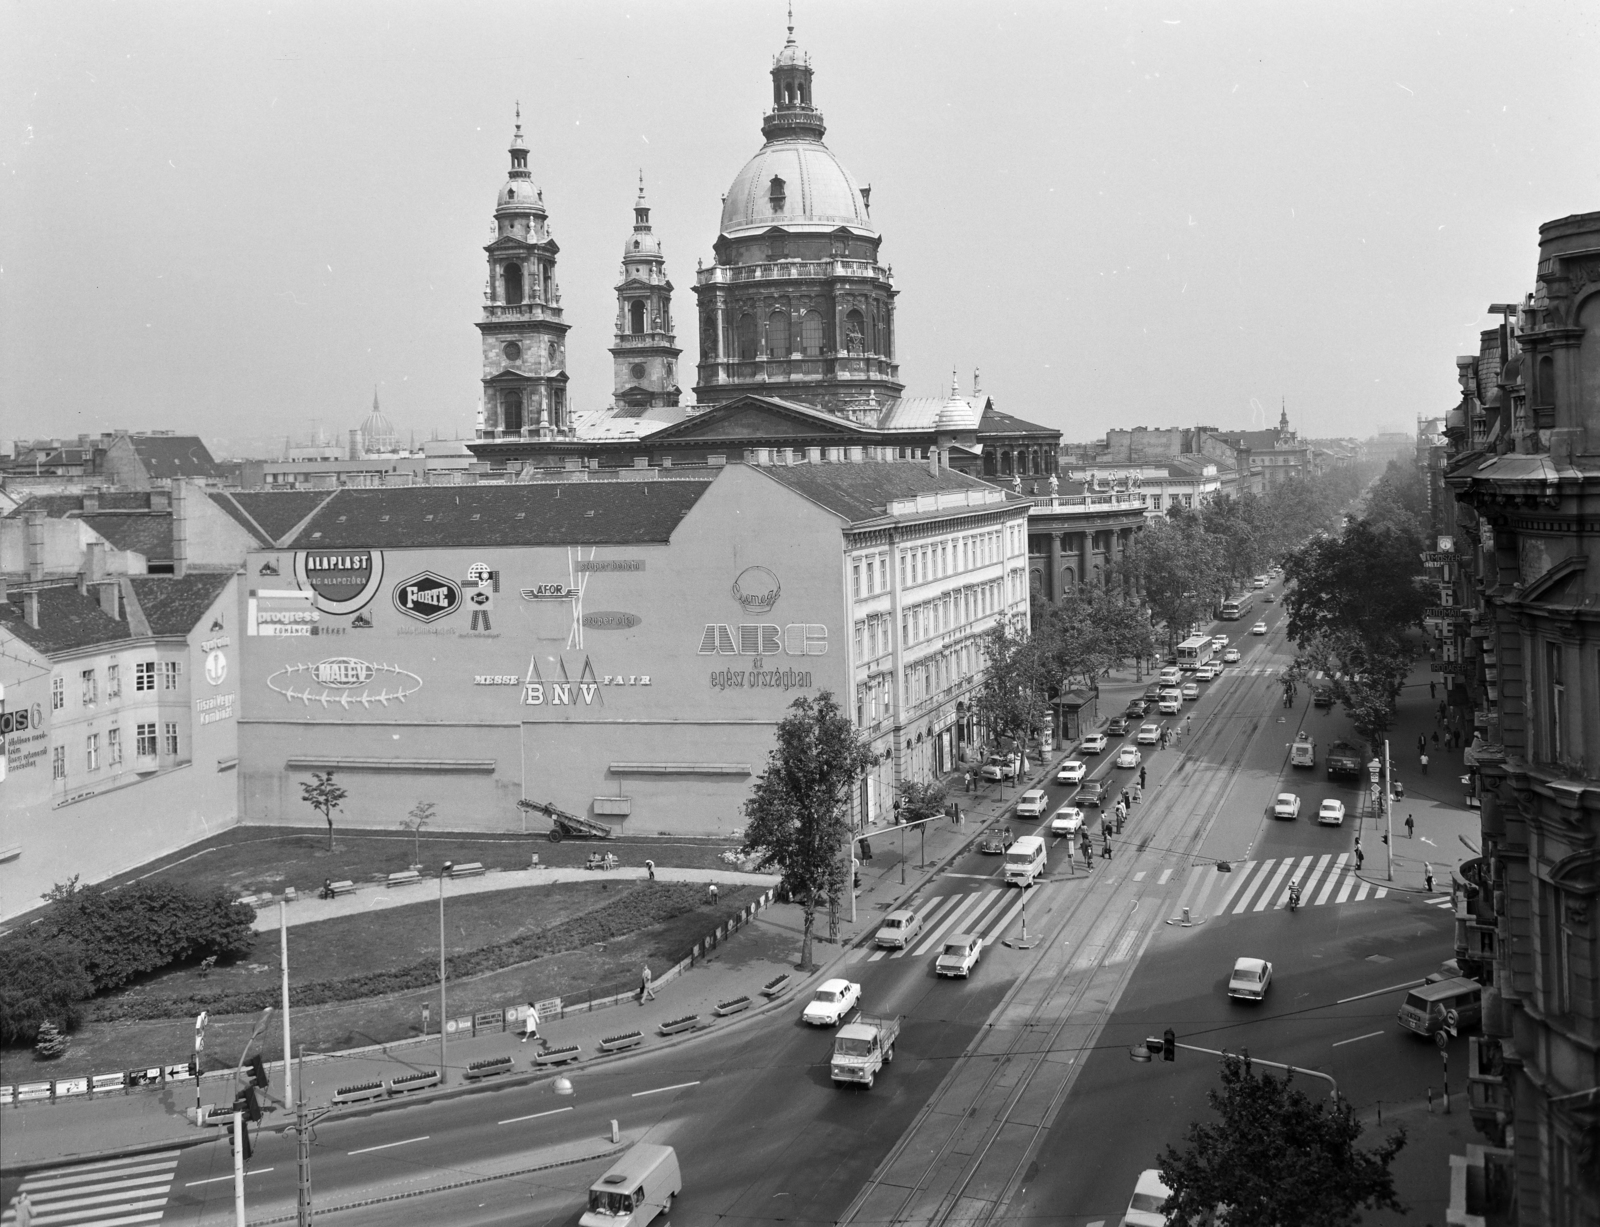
(171, 605)
(149, 534)
(66, 621)
(273, 514)
(996, 423)
(863, 491)
(168, 456)
(533, 513)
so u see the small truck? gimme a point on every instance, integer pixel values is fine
(1344, 760)
(1302, 751)
(862, 1048)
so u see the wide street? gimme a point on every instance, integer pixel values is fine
(1061, 1121)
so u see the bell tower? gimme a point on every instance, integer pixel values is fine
(644, 358)
(524, 337)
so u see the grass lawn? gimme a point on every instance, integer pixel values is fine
(335, 949)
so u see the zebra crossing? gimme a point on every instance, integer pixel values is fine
(987, 913)
(111, 1193)
(1259, 886)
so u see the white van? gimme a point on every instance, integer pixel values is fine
(639, 1186)
(1025, 860)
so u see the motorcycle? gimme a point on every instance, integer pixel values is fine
(1294, 898)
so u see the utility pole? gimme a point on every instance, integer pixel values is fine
(302, 1149)
(1388, 808)
(238, 1169)
(444, 1076)
(283, 957)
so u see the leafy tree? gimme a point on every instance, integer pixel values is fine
(919, 800)
(1016, 682)
(1366, 580)
(797, 815)
(51, 1044)
(1365, 677)
(1277, 1159)
(1180, 572)
(1092, 629)
(40, 981)
(62, 890)
(324, 796)
(1398, 503)
(421, 814)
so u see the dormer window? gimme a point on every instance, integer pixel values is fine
(776, 194)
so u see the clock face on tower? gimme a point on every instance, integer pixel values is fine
(637, 370)
(512, 351)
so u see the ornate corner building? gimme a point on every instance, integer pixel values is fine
(1519, 645)
(524, 337)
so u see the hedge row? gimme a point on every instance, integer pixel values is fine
(639, 909)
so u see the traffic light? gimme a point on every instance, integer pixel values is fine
(194, 1066)
(1169, 1045)
(244, 1136)
(258, 1071)
(244, 1100)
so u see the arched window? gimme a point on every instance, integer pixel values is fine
(778, 334)
(1005, 464)
(511, 412)
(511, 279)
(636, 316)
(1545, 393)
(811, 334)
(747, 338)
(855, 332)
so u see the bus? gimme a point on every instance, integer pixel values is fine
(1194, 652)
(1236, 607)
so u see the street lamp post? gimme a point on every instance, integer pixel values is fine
(444, 872)
(1388, 808)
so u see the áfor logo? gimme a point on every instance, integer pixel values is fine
(757, 590)
(427, 596)
(343, 581)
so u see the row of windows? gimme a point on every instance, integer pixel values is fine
(927, 619)
(144, 680)
(927, 677)
(937, 559)
(144, 739)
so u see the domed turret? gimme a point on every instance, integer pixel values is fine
(643, 243)
(957, 413)
(377, 432)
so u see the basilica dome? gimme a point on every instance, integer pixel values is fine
(796, 184)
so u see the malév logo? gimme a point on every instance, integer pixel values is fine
(427, 597)
(342, 672)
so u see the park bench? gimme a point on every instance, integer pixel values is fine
(404, 878)
(471, 869)
(346, 887)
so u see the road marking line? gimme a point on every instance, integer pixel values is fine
(58, 1189)
(662, 1090)
(1139, 877)
(1209, 879)
(367, 1150)
(1378, 992)
(1369, 1035)
(1272, 886)
(1349, 885)
(260, 1171)
(1124, 947)
(84, 1207)
(956, 922)
(1362, 893)
(1166, 875)
(1310, 888)
(80, 1176)
(998, 931)
(929, 939)
(1299, 872)
(1380, 892)
(1242, 874)
(535, 1116)
(1333, 878)
(123, 1220)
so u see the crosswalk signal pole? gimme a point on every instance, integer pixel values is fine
(302, 1148)
(238, 1169)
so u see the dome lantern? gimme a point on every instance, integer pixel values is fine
(792, 115)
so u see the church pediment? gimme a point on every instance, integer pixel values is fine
(518, 379)
(754, 419)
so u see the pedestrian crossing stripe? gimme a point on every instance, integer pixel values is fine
(1257, 886)
(110, 1193)
(1444, 901)
(988, 914)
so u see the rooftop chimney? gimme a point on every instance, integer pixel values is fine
(933, 462)
(91, 500)
(160, 500)
(180, 527)
(30, 608)
(33, 544)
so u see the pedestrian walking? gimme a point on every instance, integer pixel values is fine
(24, 1210)
(1410, 826)
(1127, 799)
(1427, 877)
(711, 894)
(645, 991)
(1360, 856)
(1432, 690)
(1422, 743)
(1441, 709)
(1424, 764)
(1141, 777)
(530, 1026)
(968, 782)
(1088, 853)
(1188, 723)
(1436, 737)
(1138, 791)
(650, 868)
(1105, 849)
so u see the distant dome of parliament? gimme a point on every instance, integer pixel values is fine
(797, 184)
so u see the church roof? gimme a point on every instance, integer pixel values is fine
(996, 423)
(818, 193)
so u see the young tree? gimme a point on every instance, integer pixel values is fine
(797, 815)
(918, 800)
(1277, 1159)
(324, 796)
(421, 814)
(1011, 700)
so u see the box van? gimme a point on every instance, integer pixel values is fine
(1025, 860)
(1423, 1010)
(639, 1186)
(1170, 676)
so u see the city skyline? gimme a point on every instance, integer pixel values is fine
(1160, 217)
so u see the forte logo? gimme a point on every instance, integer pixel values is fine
(427, 597)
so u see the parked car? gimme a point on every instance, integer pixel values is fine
(1149, 734)
(1032, 803)
(831, 1002)
(897, 929)
(1331, 812)
(1191, 690)
(1260, 628)
(1128, 757)
(1148, 1207)
(1118, 725)
(959, 956)
(1231, 656)
(1071, 772)
(1092, 744)
(1068, 820)
(999, 767)
(1092, 793)
(1286, 806)
(1250, 979)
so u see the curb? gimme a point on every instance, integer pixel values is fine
(29, 1166)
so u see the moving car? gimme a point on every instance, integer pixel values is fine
(1071, 772)
(1231, 656)
(1250, 979)
(1267, 598)
(1147, 1209)
(897, 929)
(1208, 670)
(1136, 708)
(1190, 690)
(1260, 581)
(1331, 812)
(1129, 756)
(1260, 628)
(1171, 675)
(831, 1002)
(636, 1188)
(1092, 744)
(1149, 734)
(1032, 804)
(959, 956)
(1427, 1009)
(1068, 820)
(1093, 793)
(1219, 642)
(1152, 692)
(1286, 806)
(1119, 724)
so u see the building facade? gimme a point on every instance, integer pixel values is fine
(1527, 687)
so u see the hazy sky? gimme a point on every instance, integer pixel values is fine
(237, 218)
